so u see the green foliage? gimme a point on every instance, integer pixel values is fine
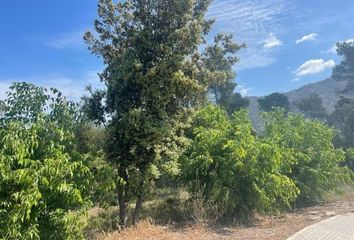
(154, 76)
(43, 182)
(217, 61)
(349, 158)
(345, 70)
(93, 107)
(236, 103)
(343, 119)
(274, 100)
(234, 169)
(312, 107)
(312, 162)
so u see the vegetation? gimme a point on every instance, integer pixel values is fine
(155, 75)
(234, 169)
(44, 185)
(274, 100)
(312, 161)
(345, 70)
(343, 119)
(168, 117)
(312, 107)
(218, 60)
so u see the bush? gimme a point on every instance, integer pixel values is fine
(313, 162)
(44, 185)
(237, 172)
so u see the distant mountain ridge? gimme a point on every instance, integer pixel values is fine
(328, 89)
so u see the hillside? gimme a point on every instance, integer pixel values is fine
(329, 90)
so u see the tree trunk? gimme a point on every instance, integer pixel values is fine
(138, 205)
(122, 193)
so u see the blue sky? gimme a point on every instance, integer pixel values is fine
(290, 42)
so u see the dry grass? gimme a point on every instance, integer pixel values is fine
(264, 227)
(145, 230)
(267, 228)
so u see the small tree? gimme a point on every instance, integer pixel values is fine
(44, 186)
(274, 100)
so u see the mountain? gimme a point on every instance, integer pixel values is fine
(329, 90)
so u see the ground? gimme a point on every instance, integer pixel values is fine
(267, 227)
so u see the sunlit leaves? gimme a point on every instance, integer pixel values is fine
(312, 161)
(43, 183)
(232, 167)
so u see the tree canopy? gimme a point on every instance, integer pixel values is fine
(345, 70)
(274, 100)
(312, 107)
(343, 119)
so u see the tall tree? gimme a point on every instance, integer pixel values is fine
(274, 100)
(154, 77)
(312, 107)
(218, 60)
(345, 70)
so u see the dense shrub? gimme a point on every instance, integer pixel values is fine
(315, 165)
(234, 169)
(44, 185)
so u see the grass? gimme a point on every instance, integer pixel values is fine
(172, 218)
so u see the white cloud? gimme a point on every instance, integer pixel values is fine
(309, 37)
(313, 67)
(271, 42)
(244, 91)
(67, 40)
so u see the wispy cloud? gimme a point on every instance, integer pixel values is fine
(271, 42)
(309, 37)
(252, 21)
(313, 67)
(67, 40)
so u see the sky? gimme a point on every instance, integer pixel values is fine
(289, 42)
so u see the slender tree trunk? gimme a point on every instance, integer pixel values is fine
(139, 203)
(122, 192)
